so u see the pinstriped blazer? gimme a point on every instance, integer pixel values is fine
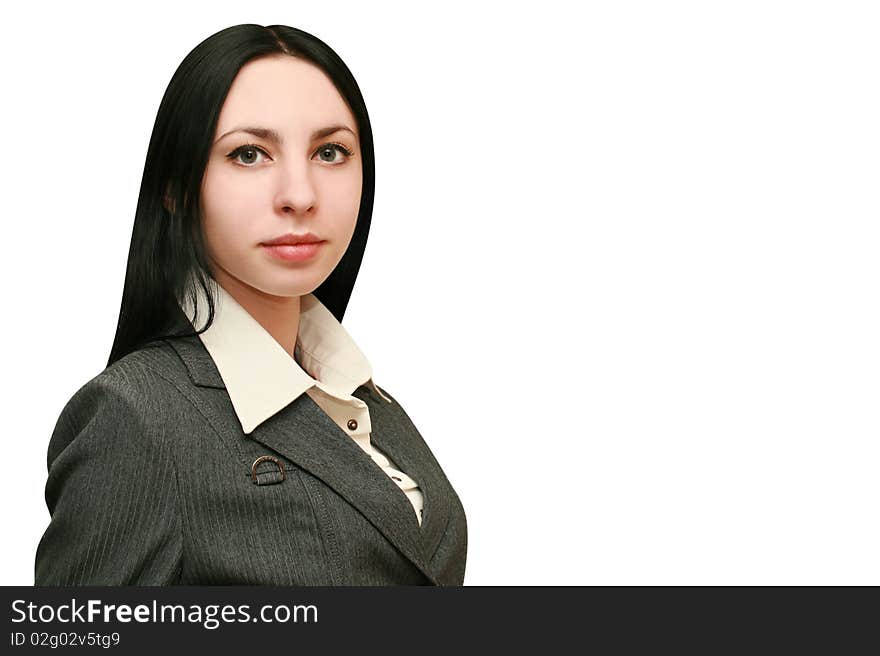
(152, 482)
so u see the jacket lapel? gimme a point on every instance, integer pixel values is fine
(305, 435)
(396, 440)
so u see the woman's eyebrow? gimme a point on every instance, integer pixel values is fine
(273, 135)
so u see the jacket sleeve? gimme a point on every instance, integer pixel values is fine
(111, 493)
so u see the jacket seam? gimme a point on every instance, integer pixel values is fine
(177, 512)
(326, 530)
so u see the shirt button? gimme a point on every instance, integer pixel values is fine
(352, 424)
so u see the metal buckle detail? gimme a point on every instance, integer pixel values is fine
(267, 477)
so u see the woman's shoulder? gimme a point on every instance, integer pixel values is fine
(131, 396)
(150, 371)
(139, 384)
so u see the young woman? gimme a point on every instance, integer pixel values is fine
(237, 435)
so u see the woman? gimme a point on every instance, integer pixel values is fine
(256, 448)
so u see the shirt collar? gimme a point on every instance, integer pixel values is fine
(260, 376)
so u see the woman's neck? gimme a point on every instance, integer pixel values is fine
(278, 315)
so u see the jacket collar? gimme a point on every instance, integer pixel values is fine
(259, 375)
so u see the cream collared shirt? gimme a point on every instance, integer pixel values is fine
(261, 377)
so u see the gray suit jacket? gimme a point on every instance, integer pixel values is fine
(151, 482)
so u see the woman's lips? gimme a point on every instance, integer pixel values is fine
(294, 252)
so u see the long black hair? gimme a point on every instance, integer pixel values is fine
(167, 254)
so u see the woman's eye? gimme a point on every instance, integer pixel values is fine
(248, 155)
(331, 150)
(249, 151)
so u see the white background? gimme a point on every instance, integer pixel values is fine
(623, 269)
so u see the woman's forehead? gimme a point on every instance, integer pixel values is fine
(286, 94)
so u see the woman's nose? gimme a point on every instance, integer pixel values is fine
(296, 189)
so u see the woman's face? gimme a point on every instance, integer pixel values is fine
(257, 187)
